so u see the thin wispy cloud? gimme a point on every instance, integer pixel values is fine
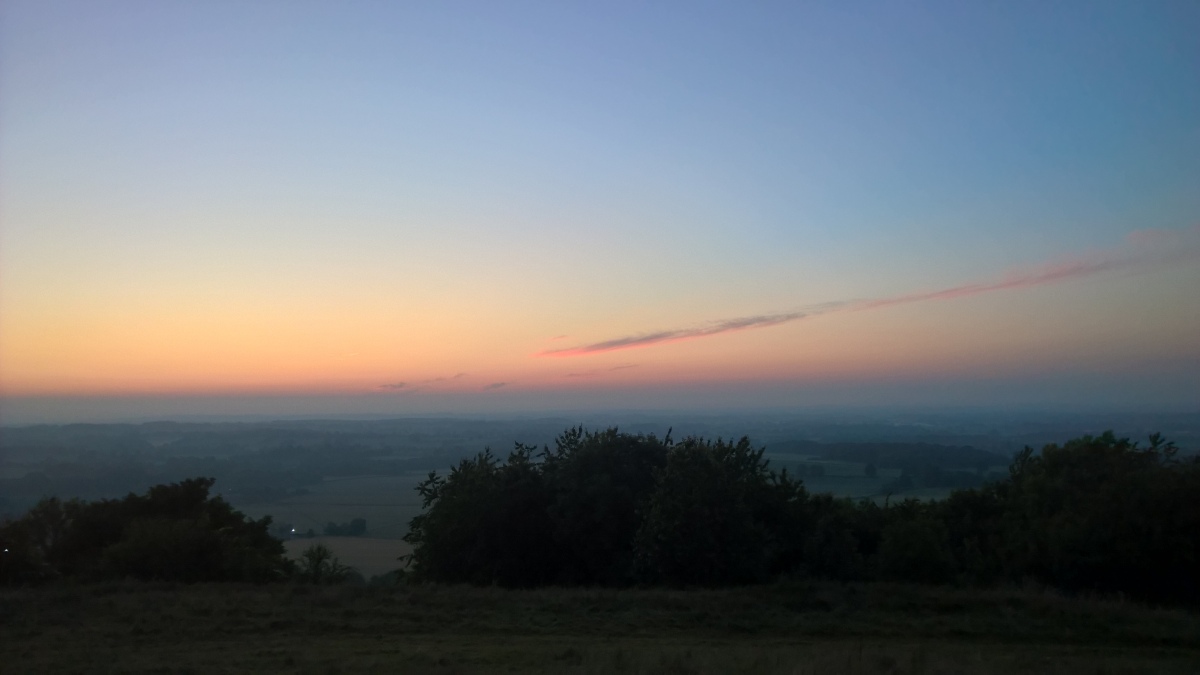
(1143, 249)
(495, 385)
(601, 371)
(647, 339)
(420, 385)
(457, 376)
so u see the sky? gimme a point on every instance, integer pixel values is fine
(457, 207)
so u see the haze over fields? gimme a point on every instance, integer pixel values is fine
(230, 209)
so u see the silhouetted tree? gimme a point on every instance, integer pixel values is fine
(174, 532)
(318, 565)
(487, 522)
(1097, 513)
(600, 484)
(914, 545)
(1102, 513)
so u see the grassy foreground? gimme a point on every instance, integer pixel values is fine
(783, 628)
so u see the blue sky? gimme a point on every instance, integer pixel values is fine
(222, 197)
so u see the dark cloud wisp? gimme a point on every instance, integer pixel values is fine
(647, 339)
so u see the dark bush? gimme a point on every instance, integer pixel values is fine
(607, 508)
(174, 532)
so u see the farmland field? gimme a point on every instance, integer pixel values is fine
(369, 556)
(386, 502)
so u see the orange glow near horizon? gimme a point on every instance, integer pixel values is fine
(277, 355)
(300, 346)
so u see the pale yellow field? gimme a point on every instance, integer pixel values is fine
(387, 503)
(371, 557)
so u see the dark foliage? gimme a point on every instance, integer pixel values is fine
(1100, 513)
(173, 532)
(570, 518)
(318, 565)
(716, 516)
(609, 508)
(600, 484)
(488, 522)
(1097, 514)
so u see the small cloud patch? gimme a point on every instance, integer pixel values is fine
(601, 371)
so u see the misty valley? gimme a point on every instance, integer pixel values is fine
(351, 484)
(831, 524)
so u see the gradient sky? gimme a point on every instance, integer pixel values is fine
(307, 207)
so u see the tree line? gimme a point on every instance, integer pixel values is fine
(606, 508)
(1097, 513)
(174, 532)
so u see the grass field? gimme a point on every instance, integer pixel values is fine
(783, 628)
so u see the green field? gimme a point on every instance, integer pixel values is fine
(782, 628)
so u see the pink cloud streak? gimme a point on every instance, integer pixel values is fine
(1144, 249)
